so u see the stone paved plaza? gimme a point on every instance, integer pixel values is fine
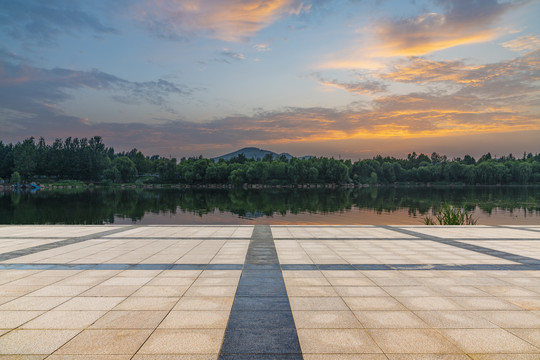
(269, 292)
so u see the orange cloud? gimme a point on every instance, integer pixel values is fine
(421, 36)
(458, 23)
(523, 43)
(232, 20)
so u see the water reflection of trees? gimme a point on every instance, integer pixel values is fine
(98, 207)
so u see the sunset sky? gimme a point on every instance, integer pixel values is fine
(327, 78)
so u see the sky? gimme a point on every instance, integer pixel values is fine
(343, 78)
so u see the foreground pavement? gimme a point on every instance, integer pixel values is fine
(261, 292)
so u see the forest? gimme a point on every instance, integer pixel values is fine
(88, 159)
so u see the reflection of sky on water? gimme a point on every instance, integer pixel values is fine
(354, 216)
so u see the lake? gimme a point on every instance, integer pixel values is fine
(511, 205)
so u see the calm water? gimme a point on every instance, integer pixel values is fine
(379, 205)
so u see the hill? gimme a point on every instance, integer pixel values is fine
(252, 153)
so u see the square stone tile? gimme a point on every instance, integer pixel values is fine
(177, 281)
(343, 274)
(373, 303)
(416, 291)
(443, 319)
(335, 341)
(524, 302)
(14, 319)
(302, 274)
(317, 291)
(205, 303)
(126, 280)
(175, 357)
(221, 273)
(59, 290)
(484, 303)
(34, 341)
(162, 290)
(179, 273)
(147, 303)
(5, 299)
(350, 281)
(211, 291)
(34, 303)
(427, 357)
(360, 291)
(184, 341)
(317, 303)
(308, 281)
(344, 357)
(512, 319)
(325, 320)
(488, 341)
(78, 319)
(530, 335)
(89, 357)
(90, 303)
(428, 303)
(504, 356)
(195, 320)
(507, 291)
(389, 319)
(106, 342)
(120, 319)
(111, 290)
(216, 281)
(412, 341)
(9, 290)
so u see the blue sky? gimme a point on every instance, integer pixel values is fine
(334, 78)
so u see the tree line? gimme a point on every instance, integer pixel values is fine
(90, 160)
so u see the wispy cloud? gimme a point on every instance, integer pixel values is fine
(517, 76)
(36, 21)
(232, 20)
(233, 55)
(262, 47)
(463, 22)
(33, 90)
(361, 85)
(523, 43)
(452, 23)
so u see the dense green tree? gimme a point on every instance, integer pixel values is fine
(126, 168)
(24, 157)
(15, 177)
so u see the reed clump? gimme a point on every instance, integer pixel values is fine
(449, 215)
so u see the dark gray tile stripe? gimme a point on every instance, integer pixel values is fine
(57, 244)
(480, 249)
(261, 324)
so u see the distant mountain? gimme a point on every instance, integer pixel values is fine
(255, 153)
